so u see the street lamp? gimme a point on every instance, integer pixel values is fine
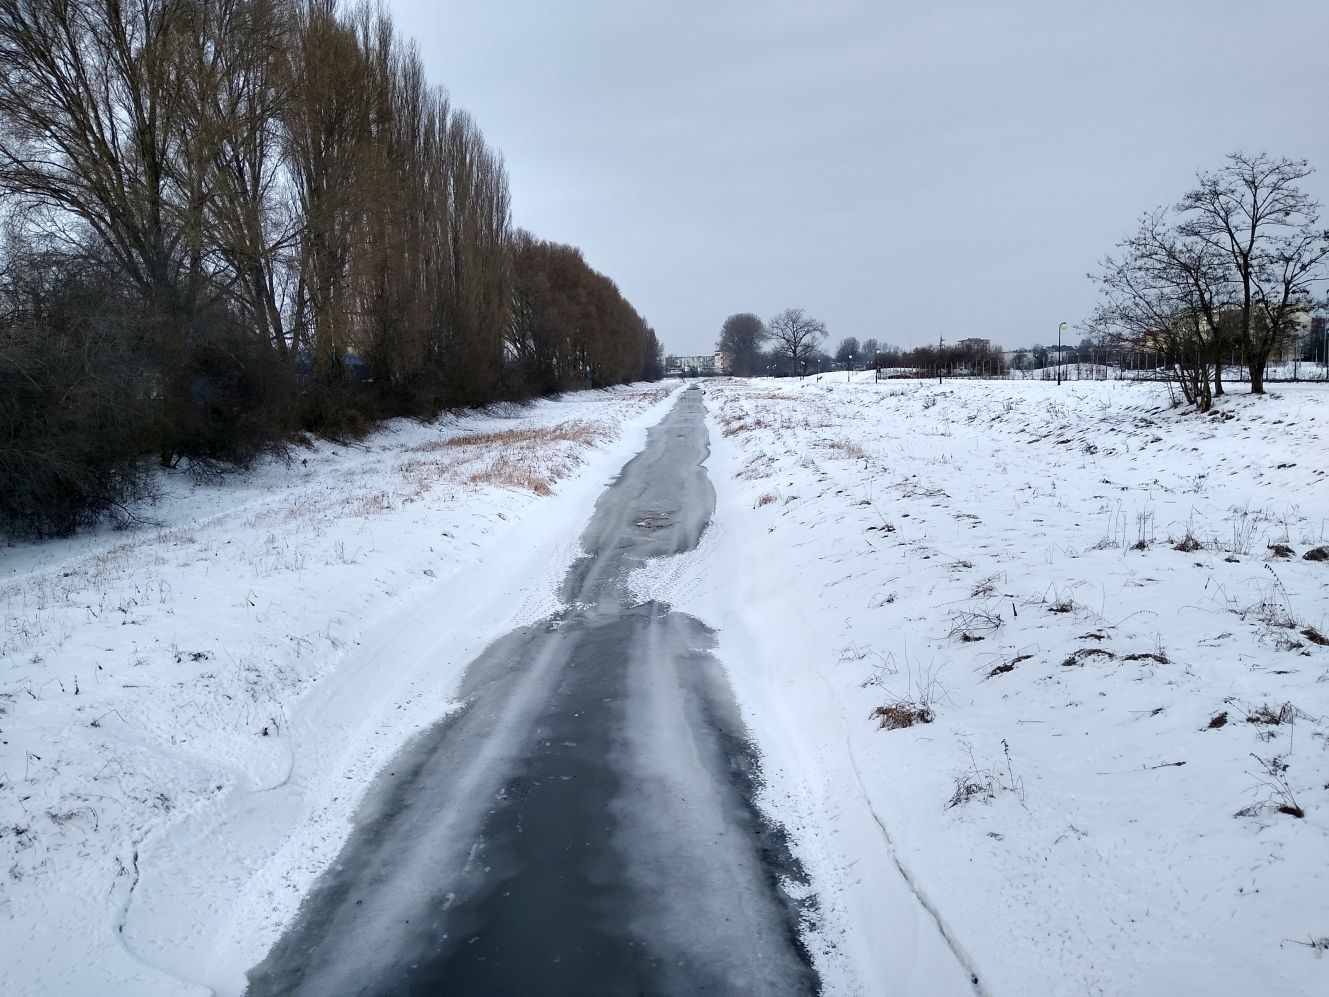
(1060, 328)
(848, 368)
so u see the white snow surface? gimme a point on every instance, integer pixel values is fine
(191, 709)
(1005, 555)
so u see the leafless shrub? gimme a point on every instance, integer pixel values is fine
(1144, 530)
(1188, 544)
(765, 498)
(882, 667)
(1271, 716)
(986, 588)
(915, 706)
(969, 625)
(1272, 778)
(983, 783)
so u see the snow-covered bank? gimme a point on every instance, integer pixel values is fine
(1087, 593)
(189, 711)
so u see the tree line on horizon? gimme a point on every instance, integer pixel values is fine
(790, 344)
(227, 223)
(793, 336)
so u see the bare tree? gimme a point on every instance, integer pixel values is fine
(742, 337)
(287, 221)
(848, 350)
(1253, 213)
(93, 115)
(797, 336)
(1169, 291)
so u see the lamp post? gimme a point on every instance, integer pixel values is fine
(1060, 328)
(848, 368)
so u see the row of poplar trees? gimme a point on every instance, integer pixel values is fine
(227, 221)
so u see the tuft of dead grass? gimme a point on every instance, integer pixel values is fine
(847, 447)
(1155, 656)
(504, 472)
(1008, 666)
(1084, 654)
(1315, 637)
(735, 426)
(901, 713)
(1268, 715)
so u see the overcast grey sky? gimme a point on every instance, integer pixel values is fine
(900, 170)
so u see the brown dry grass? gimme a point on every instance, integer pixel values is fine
(652, 395)
(847, 447)
(530, 458)
(370, 504)
(1085, 653)
(901, 714)
(504, 472)
(1271, 715)
(1315, 637)
(761, 466)
(733, 427)
(585, 432)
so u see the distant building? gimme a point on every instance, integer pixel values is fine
(1315, 343)
(691, 366)
(975, 344)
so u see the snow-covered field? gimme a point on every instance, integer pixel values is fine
(1093, 607)
(190, 709)
(1095, 611)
